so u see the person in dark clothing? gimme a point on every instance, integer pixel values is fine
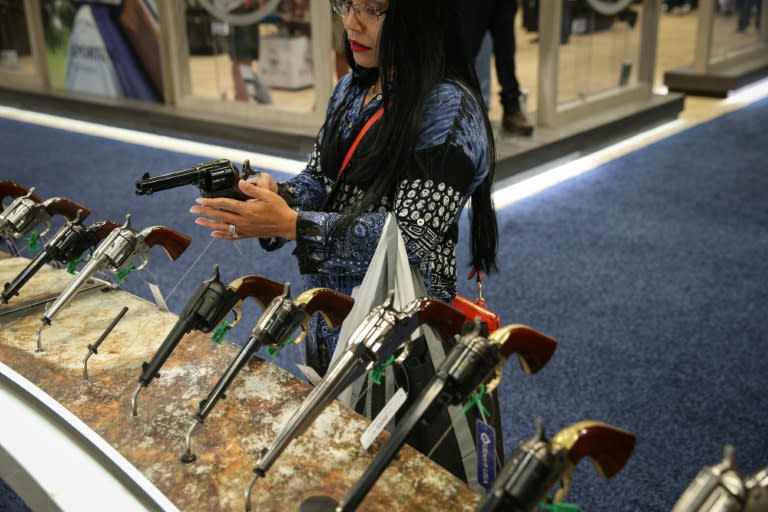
(498, 18)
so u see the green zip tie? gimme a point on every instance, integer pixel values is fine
(32, 241)
(378, 372)
(560, 507)
(477, 396)
(220, 333)
(72, 265)
(273, 351)
(121, 275)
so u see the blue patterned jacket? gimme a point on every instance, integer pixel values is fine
(452, 158)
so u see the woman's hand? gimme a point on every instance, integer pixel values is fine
(264, 180)
(265, 215)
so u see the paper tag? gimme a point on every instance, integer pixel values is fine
(310, 373)
(485, 442)
(384, 417)
(158, 295)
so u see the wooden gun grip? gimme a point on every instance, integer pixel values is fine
(336, 306)
(67, 208)
(14, 190)
(102, 229)
(260, 288)
(445, 319)
(533, 348)
(173, 242)
(609, 447)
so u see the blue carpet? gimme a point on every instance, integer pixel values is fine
(650, 270)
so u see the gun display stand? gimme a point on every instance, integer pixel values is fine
(136, 459)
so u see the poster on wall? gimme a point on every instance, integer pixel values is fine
(107, 48)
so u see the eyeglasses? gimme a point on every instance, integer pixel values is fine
(364, 11)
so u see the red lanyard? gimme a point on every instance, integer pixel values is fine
(375, 117)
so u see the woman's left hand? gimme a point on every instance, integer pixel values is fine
(265, 215)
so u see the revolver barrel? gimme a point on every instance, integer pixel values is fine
(218, 178)
(147, 185)
(12, 289)
(88, 270)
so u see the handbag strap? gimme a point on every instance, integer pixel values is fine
(367, 126)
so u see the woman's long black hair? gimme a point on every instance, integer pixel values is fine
(420, 46)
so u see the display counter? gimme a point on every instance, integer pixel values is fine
(71, 443)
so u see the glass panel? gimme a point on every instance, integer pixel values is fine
(107, 48)
(735, 26)
(15, 52)
(677, 40)
(267, 62)
(598, 52)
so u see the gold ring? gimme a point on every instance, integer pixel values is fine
(233, 230)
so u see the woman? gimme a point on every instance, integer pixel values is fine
(428, 154)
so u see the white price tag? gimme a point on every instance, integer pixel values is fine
(384, 417)
(310, 373)
(158, 295)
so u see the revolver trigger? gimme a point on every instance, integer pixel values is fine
(565, 485)
(237, 312)
(495, 381)
(404, 353)
(298, 339)
(47, 225)
(143, 263)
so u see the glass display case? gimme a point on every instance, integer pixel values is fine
(594, 56)
(730, 49)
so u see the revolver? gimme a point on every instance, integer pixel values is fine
(206, 308)
(13, 189)
(475, 360)
(72, 239)
(25, 213)
(273, 328)
(721, 488)
(379, 336)
(117, 252)
(537, 464)
(218, 178)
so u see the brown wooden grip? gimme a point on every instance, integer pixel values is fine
(13, 189)
(173, 242)
(102, 229)
(609, 447)
(445, 319)
(67, 208)
(260, 288)
(336, 306)
(533, 348)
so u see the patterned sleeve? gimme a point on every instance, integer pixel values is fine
(450, 161)
(307, 190)
(304, 192)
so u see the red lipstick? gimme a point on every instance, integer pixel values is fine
(357, 47)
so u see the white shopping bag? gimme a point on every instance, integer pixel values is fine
(390, 270)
